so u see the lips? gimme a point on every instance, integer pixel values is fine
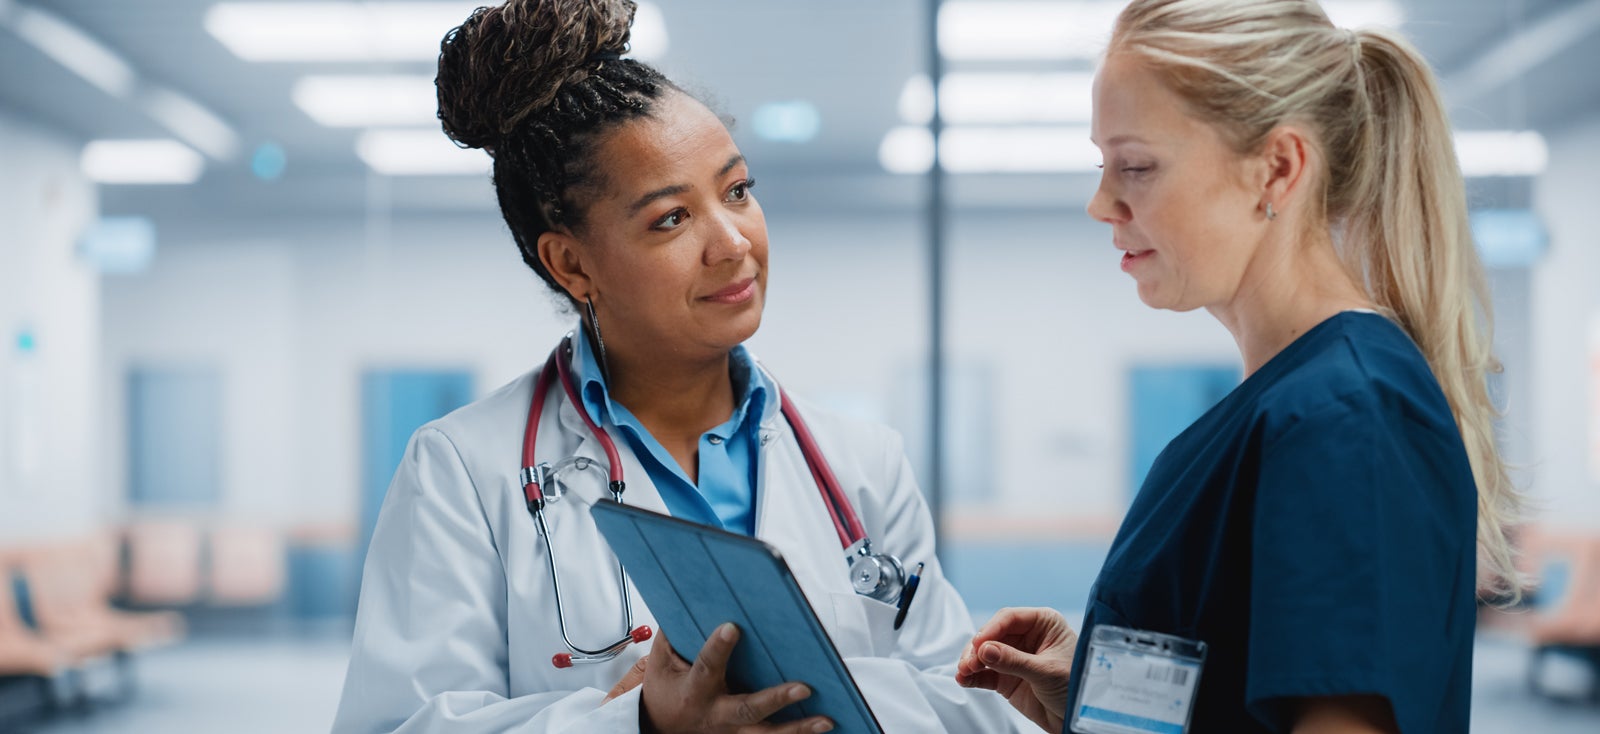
(737, 292)
(1132, 256)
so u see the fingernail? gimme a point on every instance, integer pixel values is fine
(726, 632)
(989, 653)
(798, 692)
(822, 726)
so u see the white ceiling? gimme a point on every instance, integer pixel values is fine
(849, 58)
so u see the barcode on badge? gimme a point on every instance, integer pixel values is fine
(1168, 674)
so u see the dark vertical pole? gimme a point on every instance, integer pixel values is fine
(936, 259)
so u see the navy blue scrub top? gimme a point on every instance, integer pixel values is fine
(1317, 530)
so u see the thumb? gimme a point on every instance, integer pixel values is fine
(632, 678)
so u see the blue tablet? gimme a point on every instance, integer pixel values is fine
(695, 577)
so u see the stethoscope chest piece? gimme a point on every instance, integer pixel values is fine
(875, 575)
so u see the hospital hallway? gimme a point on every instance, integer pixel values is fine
(291, 685)
(267, 329)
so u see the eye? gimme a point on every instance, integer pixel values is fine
(671, 220)
(741, 190)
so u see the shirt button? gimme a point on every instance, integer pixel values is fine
(715, 440)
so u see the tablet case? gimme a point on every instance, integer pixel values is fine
(695, 577)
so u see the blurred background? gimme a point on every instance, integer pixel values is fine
(239, 265)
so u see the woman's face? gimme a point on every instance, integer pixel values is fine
(675, 243)
(1173, 192)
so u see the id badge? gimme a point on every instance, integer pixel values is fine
(1137, 683)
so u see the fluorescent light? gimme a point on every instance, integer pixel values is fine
(1364, 13)
(74, 49)
(369, 31)
(1032, 149)
(907, 149)
(977, 98)
(419, 153)
(1018, 150)
(970, 30)
(916, 100)
(141, 162)
(189, 120)
(1501, 152)
(975, 30)
(368, 100)
(796, 121)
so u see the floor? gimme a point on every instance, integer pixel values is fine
(292, 685)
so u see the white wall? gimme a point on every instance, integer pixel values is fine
(1565, 306)
(50, 458)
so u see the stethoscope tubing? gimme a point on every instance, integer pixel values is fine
(557, 369)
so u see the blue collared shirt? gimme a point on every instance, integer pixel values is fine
(729, 454)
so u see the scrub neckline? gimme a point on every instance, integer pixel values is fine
(1284, 355)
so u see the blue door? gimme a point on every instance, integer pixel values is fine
(1164, 400)
(174, 438)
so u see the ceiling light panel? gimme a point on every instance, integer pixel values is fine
(419, 153)
(368, 100)
(973, 30)
(368, 31)
(141, 162)
(1023, 149)
(987, 98)
(1501, 152)
(74, 49)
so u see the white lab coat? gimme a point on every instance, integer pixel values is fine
(457, 623)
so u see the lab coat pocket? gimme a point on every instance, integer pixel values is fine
(863, 627)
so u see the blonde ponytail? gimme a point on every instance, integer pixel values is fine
(1407, 232)
(1393, 192)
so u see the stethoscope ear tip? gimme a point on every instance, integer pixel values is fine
(640, 633)
(561, 660)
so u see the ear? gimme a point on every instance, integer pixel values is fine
(562, 255)
(1284, 163)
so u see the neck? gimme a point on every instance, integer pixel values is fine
(1289, 288)
(670, 394)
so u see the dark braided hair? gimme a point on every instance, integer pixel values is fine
(535, 83)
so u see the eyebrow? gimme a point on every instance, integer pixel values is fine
(1119, 139)
(674, 189)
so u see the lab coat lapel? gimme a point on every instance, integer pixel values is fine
(791, 516)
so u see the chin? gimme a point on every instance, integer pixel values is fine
(735, 331)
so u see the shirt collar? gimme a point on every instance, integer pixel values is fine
(752, 386)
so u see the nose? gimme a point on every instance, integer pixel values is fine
(729, 240)
(1105, 207)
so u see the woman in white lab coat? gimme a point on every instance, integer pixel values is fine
(628, 197)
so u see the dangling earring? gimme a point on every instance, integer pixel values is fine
(599, 344)
(1271, 215)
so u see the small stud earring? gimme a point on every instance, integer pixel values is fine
(1271, 215)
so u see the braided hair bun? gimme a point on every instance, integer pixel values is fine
(538, 83)
(509, 62)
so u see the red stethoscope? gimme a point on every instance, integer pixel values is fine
(876, 575)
